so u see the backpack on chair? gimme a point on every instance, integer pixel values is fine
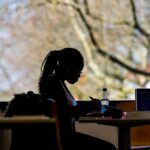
(24, 104)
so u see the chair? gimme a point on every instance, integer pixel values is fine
(57, 124)
(35, 134)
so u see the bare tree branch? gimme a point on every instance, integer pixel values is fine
(87, 11)
(136, 23)
(105, 54)
(6, 76)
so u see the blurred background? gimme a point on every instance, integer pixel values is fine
(112, 35)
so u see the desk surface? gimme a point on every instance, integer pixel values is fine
(133, 118)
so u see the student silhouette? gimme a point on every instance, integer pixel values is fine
(58, 67)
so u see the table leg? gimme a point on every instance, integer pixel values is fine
(124, 142)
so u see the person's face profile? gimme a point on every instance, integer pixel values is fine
(73, 74)
(72, 67)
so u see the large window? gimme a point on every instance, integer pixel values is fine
(112, 35)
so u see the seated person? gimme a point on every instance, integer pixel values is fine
(60, 66)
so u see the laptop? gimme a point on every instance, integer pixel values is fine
(142, 97)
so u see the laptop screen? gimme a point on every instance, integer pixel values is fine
(142, 97)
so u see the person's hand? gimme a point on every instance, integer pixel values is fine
(96, 103)
(94, 114)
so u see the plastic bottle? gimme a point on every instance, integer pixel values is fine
(104, 100)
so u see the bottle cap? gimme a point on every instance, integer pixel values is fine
(104, 89)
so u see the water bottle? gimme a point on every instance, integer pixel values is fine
(104, 100)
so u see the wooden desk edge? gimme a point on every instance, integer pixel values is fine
(27, 119)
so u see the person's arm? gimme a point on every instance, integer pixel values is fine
(81, 109)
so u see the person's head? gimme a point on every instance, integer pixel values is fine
(66, 64)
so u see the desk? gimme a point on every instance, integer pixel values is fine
(124, 125)
(9, 122)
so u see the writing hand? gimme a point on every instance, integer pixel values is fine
(94, 114)
(96, 103)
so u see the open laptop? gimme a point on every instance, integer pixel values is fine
(142, 97)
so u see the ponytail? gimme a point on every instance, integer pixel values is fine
(49, 64)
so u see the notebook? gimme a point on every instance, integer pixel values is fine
(142, 97)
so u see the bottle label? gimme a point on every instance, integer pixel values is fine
(104, 104)
(103, 109)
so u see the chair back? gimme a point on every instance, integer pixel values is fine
(57, 124)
